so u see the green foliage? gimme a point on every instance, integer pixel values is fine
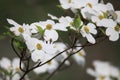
(8, 32)
(77, 22)
(40, 30)
(19, 44)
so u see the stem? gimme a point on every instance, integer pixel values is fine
(48, 78)
(12, 44)
(39, 64)
(85, 45)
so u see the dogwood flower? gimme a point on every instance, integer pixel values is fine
(33, 27)
(104, 12)
(63, 22)
(113, 32)
(48, 67)
(50, 27)
(87, 31)
(66, 21)
(103, 71)
(96, 13)
(113, 29)
(18, 29)
(40, 51)
(11, 68)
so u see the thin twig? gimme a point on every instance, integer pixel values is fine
(39, 64)
(48, 78)
(12, 44)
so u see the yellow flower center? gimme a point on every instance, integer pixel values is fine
(69, 1)
(102, 77)
(116, 14)
(17, 69)
(20, 29)
(90, 5)
(117, 28)
(100, 17)
(48, 26)
(80, 53)
(71, 23)
(49, 63)
(39, 46)
(86, 29)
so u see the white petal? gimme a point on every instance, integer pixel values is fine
(95, 19)
(90, 38)
(15, 63)
(91, 72)
(60, 26)
(79, 59)
(113, 35)
(52, 17)
(65, 6)
(12, 22)
(41, 69)
(49, 49)
(5, 63)
(50, 35)
(52, 66)
(91, 25)
(110, 7)
(93, 31)
(102, 68)
(114, 71)
(38, 56)
(107, 23)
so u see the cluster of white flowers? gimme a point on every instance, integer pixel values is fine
(42, 38)
(10, 70)
(102, 15)
(104, 71)
(41, 41)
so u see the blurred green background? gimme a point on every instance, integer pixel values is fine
(28, 11)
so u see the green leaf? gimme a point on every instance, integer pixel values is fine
(105, 15)
(40, 30)
(102, 30)
(20, 45)
(77, 22)
(8, 32)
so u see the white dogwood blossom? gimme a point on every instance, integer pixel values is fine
(103, 71)
(18, 29)
(87, 31)
(50, 27)
(63, 22)
(11, 67)
(113, 29)
(45, 44)
(40, 51)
